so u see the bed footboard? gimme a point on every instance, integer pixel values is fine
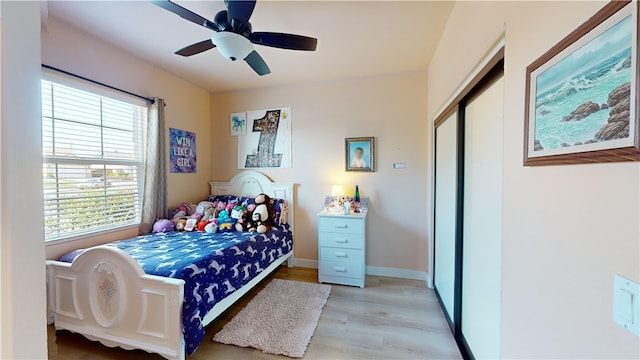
(106, 296)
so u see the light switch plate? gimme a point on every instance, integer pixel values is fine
(626, 304)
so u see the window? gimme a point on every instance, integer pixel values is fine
(93, 151)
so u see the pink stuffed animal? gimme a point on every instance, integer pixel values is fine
(230, 207)
(182, 212)
(220, 205)
(189, 208)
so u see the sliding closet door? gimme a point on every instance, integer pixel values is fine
(446, 139)
(482, 225)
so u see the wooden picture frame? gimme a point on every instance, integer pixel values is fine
(581, 97)
(360, 154)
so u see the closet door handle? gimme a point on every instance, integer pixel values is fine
(341, 241)
(340, 254)
(339, 269)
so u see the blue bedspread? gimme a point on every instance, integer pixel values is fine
(212, 265)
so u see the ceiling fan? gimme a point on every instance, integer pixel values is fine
(234, 37)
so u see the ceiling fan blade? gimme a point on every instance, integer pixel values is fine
(185, 13)
(239, 12)
(284, 41)
(257, 63)
(196, 48)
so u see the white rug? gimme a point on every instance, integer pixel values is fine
(279, 320)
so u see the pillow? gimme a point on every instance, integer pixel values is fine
(226, 198)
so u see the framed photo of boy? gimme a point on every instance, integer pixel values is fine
(360, 154)
(582, 99)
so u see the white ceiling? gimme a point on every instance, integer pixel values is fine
(355, 38)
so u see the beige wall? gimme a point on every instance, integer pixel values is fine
(187, 107)
(566, 229)
(22, 283)
(391, 108)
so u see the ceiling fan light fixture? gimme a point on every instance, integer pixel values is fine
(231, 45)
(234, 36)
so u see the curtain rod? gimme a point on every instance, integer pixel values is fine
(150, 100)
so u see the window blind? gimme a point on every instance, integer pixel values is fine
(93, 152)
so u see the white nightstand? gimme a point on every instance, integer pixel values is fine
(342, 248)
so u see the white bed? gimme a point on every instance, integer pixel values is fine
(146, 311)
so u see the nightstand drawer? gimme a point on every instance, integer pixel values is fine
(340, 254)
(338, 268)
(341, 225)
(350, 241)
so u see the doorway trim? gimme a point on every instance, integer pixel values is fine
(487, 72)
(492, 57)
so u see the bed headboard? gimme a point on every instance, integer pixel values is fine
(252, 183)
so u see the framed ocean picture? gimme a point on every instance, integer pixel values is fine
(581, 101)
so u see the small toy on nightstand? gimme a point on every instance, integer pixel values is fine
(335, 203)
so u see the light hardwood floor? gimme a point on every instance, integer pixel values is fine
(388, 319)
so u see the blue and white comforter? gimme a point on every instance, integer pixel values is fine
(212, 265)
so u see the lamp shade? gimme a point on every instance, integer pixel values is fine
(337, 190)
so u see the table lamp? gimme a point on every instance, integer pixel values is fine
(337, 190)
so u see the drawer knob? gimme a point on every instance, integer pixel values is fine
(341, 241)
(339, 269)
(343, 226)
(340, 254)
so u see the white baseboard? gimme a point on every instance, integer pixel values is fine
(378, 271)
(397, 273)
(306, 263)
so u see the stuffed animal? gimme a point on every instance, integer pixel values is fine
(225, 222)
(209, 214)
(211, 227)
(262, 214)
(219, 206)
(163, 225)
(284, 212)
(196, 216)
(230, 207)
(191, 224)
(223, 216)
(203, 224)
(180, 224)
(203, 205)
(178, 213)
(175, 213)
(206, 210)
(189, 208)
(252, 226)
(239, 213)
(184, 210)
(228, 225)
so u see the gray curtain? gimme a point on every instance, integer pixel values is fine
(154, 194)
